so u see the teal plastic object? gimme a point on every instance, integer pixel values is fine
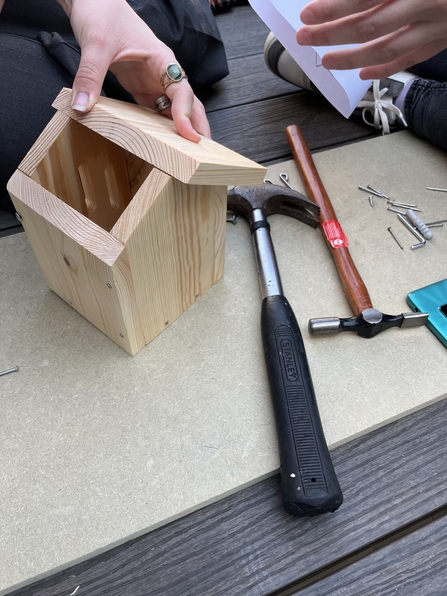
(432, 299)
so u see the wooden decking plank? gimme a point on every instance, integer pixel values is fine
(257, 130)
(413, 565)
(249, 81)
(242, 31)
(9, 224)
(246, 545)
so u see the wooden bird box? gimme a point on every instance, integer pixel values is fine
(125, 217)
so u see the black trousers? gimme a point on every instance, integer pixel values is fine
(39, 55)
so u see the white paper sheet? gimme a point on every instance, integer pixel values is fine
(343, 88)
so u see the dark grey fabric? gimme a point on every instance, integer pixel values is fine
(39, 55)
(425, 105)
(425, 110)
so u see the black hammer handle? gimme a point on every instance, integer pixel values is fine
(308, 481)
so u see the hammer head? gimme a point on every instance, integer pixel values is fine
(369, 323)
(271, 198)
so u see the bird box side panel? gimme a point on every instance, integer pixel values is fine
(43, 143)
(81, 263)
(87, 172)
(177, 251)
(140, 205)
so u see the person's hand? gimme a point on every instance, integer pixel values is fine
(395, 34)
(113, 37)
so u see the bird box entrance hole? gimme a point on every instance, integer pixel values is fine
(91, 174)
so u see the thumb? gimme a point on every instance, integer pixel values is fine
(89, 78)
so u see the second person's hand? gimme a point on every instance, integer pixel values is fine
(395, 34)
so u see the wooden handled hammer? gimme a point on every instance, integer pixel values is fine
(367, 321)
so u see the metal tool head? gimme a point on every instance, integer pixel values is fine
(272, 198)
(369, 323)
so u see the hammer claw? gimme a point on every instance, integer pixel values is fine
(272, 199)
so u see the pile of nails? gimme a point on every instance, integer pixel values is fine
(408, 218)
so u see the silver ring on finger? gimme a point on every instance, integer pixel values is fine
(162, 102)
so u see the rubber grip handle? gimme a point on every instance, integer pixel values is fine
(353, 285)
(309, 484)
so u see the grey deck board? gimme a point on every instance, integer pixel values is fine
(415, 564)
(246, 545)
(243, 32)
(9, 224)
(257, 130)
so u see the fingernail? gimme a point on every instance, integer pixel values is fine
(303, 37)
(80, 102)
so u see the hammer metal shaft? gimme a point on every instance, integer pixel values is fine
(268, 271)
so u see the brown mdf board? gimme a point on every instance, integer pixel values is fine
(101, 446)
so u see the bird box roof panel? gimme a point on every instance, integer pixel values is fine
(153, 137)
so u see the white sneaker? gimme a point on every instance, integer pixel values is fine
(377, 106)
(281, 64)
(378, 102)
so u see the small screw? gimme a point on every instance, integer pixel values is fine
(166, 322)
(18, 216)
(121, 335)
(232, 219)
(109, 286)
(371, 200)
(9, 370)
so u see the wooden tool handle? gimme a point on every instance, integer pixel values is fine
(353, 285)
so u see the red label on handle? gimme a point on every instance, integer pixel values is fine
(334, 234)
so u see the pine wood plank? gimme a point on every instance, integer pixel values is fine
(247, 545)
(81, 262)
(176, 247)
(85, 171)
(153, 138)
